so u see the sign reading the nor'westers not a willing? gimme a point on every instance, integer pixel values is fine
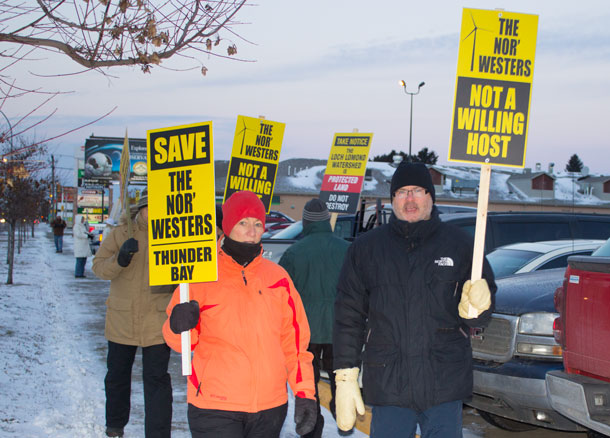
(494, 87)
(255, 157)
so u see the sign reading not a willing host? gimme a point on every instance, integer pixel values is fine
(345, 172)
(181, 205)
(255, 157)
(495, 72)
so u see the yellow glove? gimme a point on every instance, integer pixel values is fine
(348, 401)
(476, 299)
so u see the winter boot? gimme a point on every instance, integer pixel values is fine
(114, 431)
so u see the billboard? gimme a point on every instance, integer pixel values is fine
(103, 160)
(92, 204)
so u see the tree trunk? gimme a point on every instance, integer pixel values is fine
(11, 251)
(19, 237)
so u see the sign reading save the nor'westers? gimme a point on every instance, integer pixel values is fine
(181, 205)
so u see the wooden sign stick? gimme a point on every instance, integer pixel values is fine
(333, 220)
(481, 224)
(186, 335)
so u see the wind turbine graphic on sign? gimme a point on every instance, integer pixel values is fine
(474, 40)
(243, 135)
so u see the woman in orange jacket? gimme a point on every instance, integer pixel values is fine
(249, 336)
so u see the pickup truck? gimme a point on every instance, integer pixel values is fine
(581, 391)
(512, 355)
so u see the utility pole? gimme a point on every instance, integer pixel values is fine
(53, 188)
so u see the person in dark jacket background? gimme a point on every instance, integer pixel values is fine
(59, 225)
(404, 293)
(314, 263)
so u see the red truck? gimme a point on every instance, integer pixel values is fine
(582, 391)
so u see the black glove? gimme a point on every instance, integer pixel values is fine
(128, 249)
(185, 316)
(305, 415)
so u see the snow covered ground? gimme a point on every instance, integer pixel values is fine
(52, 351)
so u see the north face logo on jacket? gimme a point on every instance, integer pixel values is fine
(444, 261)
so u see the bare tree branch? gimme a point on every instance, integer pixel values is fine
(98, 34)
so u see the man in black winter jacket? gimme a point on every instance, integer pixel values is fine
(404, 294)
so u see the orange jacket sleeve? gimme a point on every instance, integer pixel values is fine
(295, 340)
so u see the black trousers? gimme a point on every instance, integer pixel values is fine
(322, 360)
(213, 423)
(157, 388)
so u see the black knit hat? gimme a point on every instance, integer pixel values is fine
(315, 211)
(412, 174)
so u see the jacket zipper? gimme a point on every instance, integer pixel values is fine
(243, 275)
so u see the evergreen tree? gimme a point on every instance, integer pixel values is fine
(389, 158)
(574, 164)
(425, 156)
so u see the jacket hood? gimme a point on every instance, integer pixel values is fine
(135, 219)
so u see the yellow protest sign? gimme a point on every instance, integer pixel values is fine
(181, 205)
(345, 172)
(495, 72)
(255, 157)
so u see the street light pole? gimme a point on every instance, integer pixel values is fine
(403, 84)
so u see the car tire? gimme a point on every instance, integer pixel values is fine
(505, 423)
(594, 434)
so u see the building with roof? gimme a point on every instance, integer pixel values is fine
(598, 186)
(299, 179)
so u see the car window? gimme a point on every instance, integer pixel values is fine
(592, 229)
(513, 232)
(293, 231)
(561, 261)
(343, 229)
(603, 251)
(442, 208)
(470, 229)
(506, 262)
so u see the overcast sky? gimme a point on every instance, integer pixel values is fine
(324, 67)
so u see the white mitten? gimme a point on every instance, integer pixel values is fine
(476, 299)
(348, 401)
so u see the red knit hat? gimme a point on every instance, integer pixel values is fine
(240, 205)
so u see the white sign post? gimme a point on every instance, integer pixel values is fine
(186, 335)
(481, 224)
